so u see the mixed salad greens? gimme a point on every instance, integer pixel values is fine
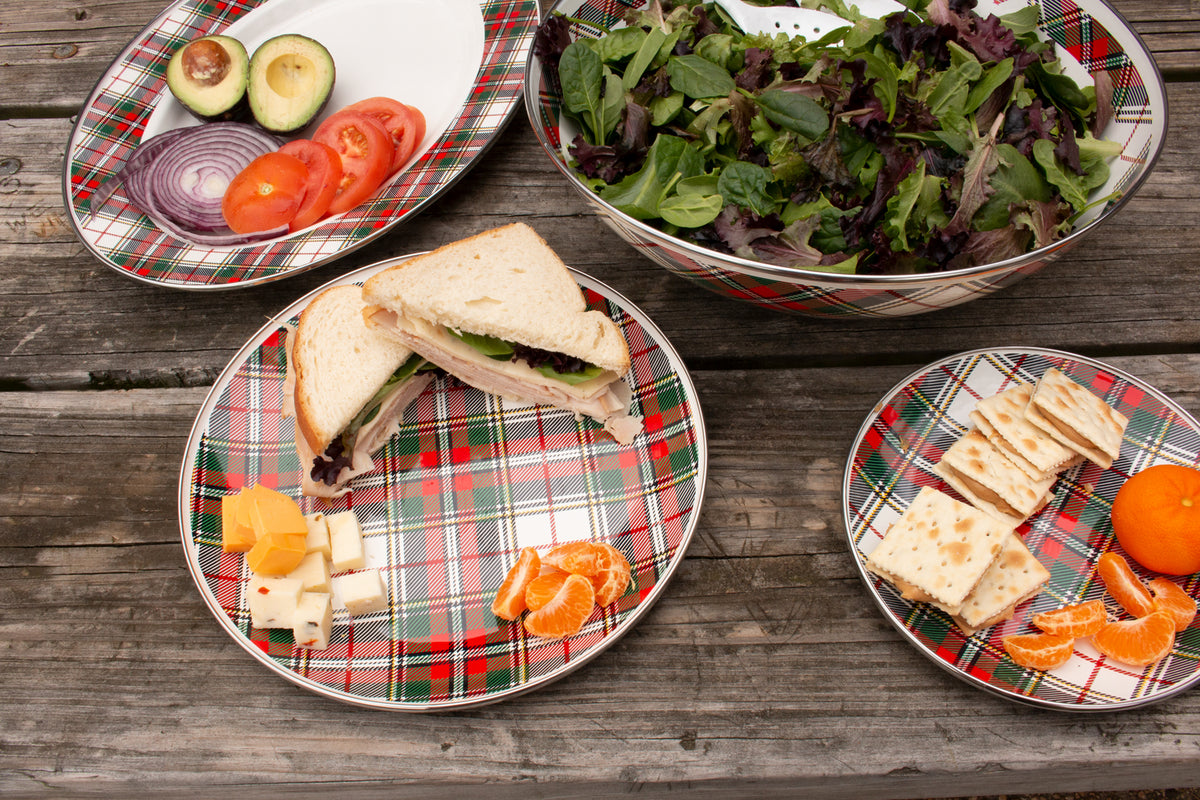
(930, 140)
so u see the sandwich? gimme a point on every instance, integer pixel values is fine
(1073, 416)
(502, 313)
(991, 482)
(347, 388)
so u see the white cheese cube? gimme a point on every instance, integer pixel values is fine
(345, 542)
(318, 534)
(313, 573)
(272, 601)
(313, 620)
(362, 592)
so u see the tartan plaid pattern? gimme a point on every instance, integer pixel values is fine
(114, 119)
(892, 459)
(1087, 41)
(465, 484)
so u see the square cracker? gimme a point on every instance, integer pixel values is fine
(1076, 417)
(940, 548)
(990, 481)
(1005, 416)
(1014, 577)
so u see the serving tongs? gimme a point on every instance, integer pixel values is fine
(806, 22)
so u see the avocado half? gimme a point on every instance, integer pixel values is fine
(209, 77)
(291, 78)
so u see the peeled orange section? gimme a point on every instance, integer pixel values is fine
(1174, 601)
(566, 612)
(1124, 585)
(510, 599)
(1137, 642)
(1081, 619)
(1039, 650)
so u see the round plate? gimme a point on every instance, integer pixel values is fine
(460, 61)
(892, 458)
(466, 483)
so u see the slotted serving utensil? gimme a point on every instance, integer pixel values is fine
(806, 22)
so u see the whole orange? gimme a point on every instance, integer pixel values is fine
(1156, 516)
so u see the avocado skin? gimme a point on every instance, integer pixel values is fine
(303, 68)
(225, 100)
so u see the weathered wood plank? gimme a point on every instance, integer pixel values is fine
(765, 664)
(51, 56)
(1128, 286)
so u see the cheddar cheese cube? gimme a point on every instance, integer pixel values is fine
(362, 592)
(345, 542)
(312, 572)
(276, 553)
(274, 512)
(272, 601)
(236, 537)
(318, 533)
(313, 620)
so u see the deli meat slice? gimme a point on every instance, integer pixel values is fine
(599, 398)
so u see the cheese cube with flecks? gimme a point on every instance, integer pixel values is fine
(272, 601)
(313, 620)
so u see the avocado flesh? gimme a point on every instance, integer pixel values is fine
(209, 77)
(291, 78)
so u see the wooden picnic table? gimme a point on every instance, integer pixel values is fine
(765, 669)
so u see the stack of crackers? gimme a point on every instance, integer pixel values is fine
(966, 558)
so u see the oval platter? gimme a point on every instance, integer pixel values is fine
(892, 457)
(460, 61)
(469, 480)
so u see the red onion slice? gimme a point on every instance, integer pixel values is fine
(178, 180)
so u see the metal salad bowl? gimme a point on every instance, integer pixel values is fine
(1090, 39)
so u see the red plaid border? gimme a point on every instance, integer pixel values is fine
(1089, 41)
(456, 494)
(111, 126)
(892, 458)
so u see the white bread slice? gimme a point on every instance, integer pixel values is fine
(338, 363)
(505, 283)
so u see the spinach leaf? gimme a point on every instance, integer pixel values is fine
(620, 44)
(795, 112)
(642, 58)
(573, 378)
(691, 210)
(490, 346)
(582, 76)
(746, 185)
(698, 77)
(670, 158)
(992, 80)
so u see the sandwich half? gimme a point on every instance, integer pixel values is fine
(502, 313)
(347, 387)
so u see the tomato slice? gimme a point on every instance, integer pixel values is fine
(324, 177)
(266, 194)
(365, 149)
(406, 124)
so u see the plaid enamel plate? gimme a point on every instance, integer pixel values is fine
(461, 62)
(892, 458)
(466, 483)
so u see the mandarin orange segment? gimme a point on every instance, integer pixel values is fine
(510, 598)
(543, 588)
(1156, 517)
(1137, 642)
(1081, 619)
(1172, 599)
(565, 614)
(1039, 650)
(1125, 587)
(613, 577)
(577, 558)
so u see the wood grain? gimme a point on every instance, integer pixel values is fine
(764, 664)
